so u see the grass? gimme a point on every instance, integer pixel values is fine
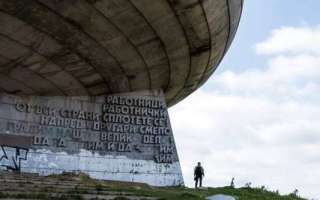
(182, 193)
(170, 194)
(85, 185)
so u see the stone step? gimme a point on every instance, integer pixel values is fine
(42, 183)
(32, 186)
(54, 190)
(13, 175)
(27, 195)
(17, 199)
(34, 178)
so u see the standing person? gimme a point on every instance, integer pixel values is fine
(198, 175)
(232, 183)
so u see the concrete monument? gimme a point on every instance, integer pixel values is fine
(85, 84)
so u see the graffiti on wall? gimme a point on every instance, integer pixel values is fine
(11, 157)
(13, 151)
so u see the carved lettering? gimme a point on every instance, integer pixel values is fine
(36, 109)
(123, 147)
(41, 140)
(116, 137)
(151, 139)
(164, 158)
(166, 149)
(61, 143)
(77, 133)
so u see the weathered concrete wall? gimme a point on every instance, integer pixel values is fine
(124, 137)
(100, 47)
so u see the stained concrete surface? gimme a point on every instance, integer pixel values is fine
(112, 46)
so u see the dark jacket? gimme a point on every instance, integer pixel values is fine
(198, 171)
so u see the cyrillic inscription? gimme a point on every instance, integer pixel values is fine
(132, 126)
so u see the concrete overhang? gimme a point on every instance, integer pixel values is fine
(98, 47)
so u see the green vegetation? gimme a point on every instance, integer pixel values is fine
(85, 188)
(182, 193)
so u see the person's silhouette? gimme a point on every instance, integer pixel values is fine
(198, 175)
(232, 182)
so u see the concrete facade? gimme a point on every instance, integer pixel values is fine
(124, 137)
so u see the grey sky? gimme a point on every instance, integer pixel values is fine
(258, 117)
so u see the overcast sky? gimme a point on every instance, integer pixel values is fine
(258, 117)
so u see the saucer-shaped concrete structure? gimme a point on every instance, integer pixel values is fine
(99, 47)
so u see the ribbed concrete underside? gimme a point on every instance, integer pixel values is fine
(98, 47)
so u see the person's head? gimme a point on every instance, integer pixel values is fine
(199, 163)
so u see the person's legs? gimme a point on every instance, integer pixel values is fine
(200, 181)
(196, 182)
